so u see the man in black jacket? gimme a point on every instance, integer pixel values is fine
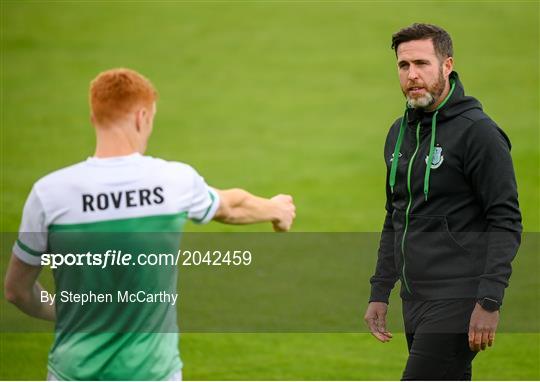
(453, 224)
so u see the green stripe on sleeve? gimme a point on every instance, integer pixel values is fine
(27, 249)
(213, 198)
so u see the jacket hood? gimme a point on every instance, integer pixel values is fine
(457, 104)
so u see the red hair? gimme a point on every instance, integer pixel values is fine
(117, 92)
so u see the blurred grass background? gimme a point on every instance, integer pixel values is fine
(273, 97)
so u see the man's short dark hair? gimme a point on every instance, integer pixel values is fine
(442, 42)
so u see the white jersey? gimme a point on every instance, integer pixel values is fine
(66, 211)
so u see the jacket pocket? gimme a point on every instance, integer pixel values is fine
(432, 253)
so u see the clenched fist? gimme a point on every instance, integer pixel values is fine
(286, 212)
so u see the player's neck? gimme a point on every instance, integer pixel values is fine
(115, 142)
(109, 152)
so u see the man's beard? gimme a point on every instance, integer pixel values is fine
(432, 94)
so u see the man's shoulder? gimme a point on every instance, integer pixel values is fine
(476, 125)
(479, 128)
(476, 121)
(475, 115)
(59, 176)
(396, 123)
(394, 127)
(161, 165)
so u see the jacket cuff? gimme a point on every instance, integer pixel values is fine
(379, 294)
(491, 289)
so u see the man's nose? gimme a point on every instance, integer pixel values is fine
(413, 74)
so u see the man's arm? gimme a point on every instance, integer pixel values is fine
(382, 283)
(22, 289)
(238, 206)
(385, 277)
(488, 166)
(386, 274)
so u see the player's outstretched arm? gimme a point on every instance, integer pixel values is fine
(22, 289)
(238, 206)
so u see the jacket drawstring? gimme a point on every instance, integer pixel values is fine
(432, 143)
(395, 158)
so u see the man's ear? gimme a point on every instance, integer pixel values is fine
(448, 66)
(140, 117)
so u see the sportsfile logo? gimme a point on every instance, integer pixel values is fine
(119, 258)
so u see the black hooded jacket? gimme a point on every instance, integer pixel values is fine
(453, 232)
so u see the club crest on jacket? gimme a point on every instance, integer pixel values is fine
(437, 159)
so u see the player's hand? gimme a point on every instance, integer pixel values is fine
(482, 328)
(286, 212)
(375, 319)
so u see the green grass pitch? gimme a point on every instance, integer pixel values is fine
(273, 97)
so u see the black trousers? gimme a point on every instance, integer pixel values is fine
(437, 338)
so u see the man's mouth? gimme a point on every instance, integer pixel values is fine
(416, 90)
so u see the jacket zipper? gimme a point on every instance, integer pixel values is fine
(409, 169)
